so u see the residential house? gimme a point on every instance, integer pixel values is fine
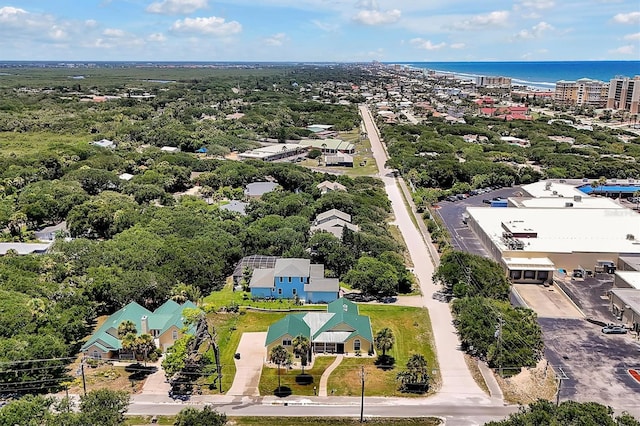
(291, 278)
(341, 329)
(170, 149)
(49, 233)
(25, 248)
(254, 261)
(328, 186)
(258, 189)
(344, 160)
(333, 221)
(165, 324)
(104, 143)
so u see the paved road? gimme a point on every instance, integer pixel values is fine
(455, 415)
(457, 382)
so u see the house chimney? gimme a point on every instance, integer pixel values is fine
(144, 323)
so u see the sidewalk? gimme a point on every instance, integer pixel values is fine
(322, 390)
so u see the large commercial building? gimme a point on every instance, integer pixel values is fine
(556, 227)
(624, 94)
(582, 92)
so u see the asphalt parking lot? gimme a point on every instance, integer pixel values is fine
(463, 238)
(590, 295)
(596, 364)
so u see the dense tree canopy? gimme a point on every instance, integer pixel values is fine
(567, 413)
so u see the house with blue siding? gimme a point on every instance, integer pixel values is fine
(291, 278)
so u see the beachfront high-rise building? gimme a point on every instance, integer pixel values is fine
(582, 92)
(491, 81)
(624, 94)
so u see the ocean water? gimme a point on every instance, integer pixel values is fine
(536, 74)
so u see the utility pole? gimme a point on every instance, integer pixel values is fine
(362, 396)
(498, 335)
(84, 382)
(561, 376)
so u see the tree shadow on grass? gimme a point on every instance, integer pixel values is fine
(385, 362)
(304, 379)
(282, 392)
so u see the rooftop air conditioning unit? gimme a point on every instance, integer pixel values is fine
(555, 192)
(577, 198)
(568, 204)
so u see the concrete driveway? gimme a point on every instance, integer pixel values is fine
(249, 367)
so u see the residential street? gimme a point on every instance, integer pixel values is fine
(458, 385)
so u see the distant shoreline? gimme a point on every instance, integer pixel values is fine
(541, 75)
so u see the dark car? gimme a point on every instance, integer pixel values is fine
(614, 329)
(486, 201)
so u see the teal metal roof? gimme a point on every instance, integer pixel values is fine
(343, 305)
(340, 312)
(292, 324)
(168, 307)
(167, 315)
(360, 324)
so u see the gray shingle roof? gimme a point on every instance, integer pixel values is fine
(322, 284)
(292, 268)
(262, 278)
(331, 214)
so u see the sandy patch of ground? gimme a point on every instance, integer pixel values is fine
(529, 385)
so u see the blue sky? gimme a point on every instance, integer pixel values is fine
(320, 30)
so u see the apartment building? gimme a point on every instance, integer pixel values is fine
(582, 92)
(624, 94)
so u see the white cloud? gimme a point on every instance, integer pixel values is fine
(325, 26)
(457, 45)
(624, 50)
(11, 14)
(537, 4)
(276, 39)
(57, 33)
(536, 31)
(211, 26)
(113, 32)
(635, 36)
(91, 23)
(627, 18)
(377, 17)
(494, 19)
(177, 7)
(426, 44)
(156, 37)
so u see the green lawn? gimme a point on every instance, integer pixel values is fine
(269, 377)
(229, 328)
(412, 331)
(411, 328)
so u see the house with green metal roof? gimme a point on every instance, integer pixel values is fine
(341, 329)
(165, 324)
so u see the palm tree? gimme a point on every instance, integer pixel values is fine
(301, 347)
(127, 327)
(279, 355)
(384, 340)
